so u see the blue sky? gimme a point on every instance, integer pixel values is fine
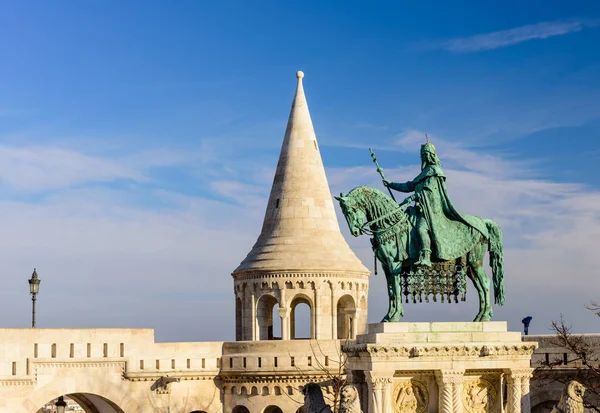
(139, 138)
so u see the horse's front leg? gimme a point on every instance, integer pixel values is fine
(397, 278)
(389, 278)
(385, 265)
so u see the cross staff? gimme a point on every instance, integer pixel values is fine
(380, 171)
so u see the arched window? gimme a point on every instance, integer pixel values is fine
(276, 317)
(240, 409)
(346, 314)
(301, 323)
(264, 317)
(273, 409)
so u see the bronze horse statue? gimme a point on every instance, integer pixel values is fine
(394, 240)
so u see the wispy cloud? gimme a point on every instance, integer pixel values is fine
(503, 38)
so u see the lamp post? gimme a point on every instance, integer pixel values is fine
(60, 405)
(34, 287)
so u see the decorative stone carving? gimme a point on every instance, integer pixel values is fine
(487, 351)
(410, 397)
(524, 349)
(479, 396)
(349, 400)
(571, 400)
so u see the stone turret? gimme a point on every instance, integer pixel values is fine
(300, 256)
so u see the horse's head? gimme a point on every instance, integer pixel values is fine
(368, 210)
(354, 214)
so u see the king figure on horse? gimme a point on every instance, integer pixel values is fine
(437, 219)
(427, 248)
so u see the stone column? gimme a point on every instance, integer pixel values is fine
(386, 395)
(334, 316)
(450, 385)
(253, 321)
(284, 313)
(379, 388)
(354, 331)
(517, 382)
(315, 331)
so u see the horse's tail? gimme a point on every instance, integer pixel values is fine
(496, 259)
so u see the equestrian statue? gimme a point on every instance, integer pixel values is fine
(425, 246)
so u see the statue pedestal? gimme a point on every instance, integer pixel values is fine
(441, 367)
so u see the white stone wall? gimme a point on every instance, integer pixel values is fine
(123, 367)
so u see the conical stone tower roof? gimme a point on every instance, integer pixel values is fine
(300, 231)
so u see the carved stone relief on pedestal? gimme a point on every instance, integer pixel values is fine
(410, 397)
(479, 396)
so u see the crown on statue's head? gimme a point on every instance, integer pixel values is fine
(427, 147)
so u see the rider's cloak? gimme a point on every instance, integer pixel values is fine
(452, 234)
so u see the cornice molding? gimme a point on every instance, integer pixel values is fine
(389, 351)
(245, 276)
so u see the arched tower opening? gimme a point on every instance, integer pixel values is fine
(301, 320)
(346, 318)
(265, 316)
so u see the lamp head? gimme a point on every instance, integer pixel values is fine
(34, 283)
(60, 405)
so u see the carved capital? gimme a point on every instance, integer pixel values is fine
(284, 312)
(378, 382)
(449, 376)
(519, 374)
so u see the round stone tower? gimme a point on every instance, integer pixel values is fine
(300, 256)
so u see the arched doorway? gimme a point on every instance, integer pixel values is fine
(273, 409)
(346, 318)
(301, 318)
(240, 409)
(264, 317)
(90, 403)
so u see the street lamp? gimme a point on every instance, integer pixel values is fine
(60, 405)
(34, 287)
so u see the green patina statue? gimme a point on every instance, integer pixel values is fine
(427, 248)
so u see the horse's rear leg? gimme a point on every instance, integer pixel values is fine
(481, 282)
